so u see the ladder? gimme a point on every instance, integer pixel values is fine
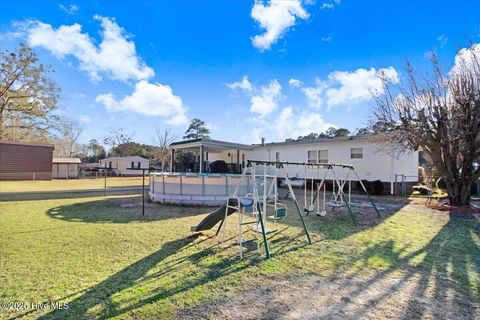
(242, 206)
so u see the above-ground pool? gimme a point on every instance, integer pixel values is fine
(198, 189)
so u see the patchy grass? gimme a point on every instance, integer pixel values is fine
(71, 184)
(108, 261)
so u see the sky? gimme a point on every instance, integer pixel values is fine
(249, 69)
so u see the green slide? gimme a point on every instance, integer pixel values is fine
(215, 217)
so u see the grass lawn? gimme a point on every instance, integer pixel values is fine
(71, 184)
(108, 261)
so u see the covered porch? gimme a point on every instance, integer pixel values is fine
(206, 151)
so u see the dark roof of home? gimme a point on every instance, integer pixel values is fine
(365, 137)
(23, 143)
(211, 142)
(226, 144)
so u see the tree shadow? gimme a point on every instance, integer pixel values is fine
(445, 273)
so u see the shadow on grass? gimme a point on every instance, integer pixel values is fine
(441, 280)
(58, 195)
(102, 297)
(338, 224)
(446, 273)
(120, 210)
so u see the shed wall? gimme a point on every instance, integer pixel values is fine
(25, 162)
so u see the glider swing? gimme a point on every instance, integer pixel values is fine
(338, 199)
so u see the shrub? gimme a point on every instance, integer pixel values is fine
(423, 190)
(422, 176)
(218, 166)
(378, 187)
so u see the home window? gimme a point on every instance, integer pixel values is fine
(277, 156)
(132, 165)
(110, 164)
(312, 156)
(356, 153)
(322, 156)
(138, 165)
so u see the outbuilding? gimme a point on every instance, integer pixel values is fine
(25, 160)
(65, 168)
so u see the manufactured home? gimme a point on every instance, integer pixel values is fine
(125, 166)
(371, 159)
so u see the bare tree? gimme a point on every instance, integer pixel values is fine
(68, 133)
(27, 96)
(117, 136)
(440, 114)
(162, 140)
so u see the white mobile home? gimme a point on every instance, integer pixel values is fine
(125, 166)
(371, 159)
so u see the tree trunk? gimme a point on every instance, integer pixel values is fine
(459, 193)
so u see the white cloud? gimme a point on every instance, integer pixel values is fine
(442, 40)
(276, 18)
(84, 118)
(327, 38)
(267, 101)
(71, 9)
(244, 84)
(330, 5)
(315, 94)
(295, 82)
(357, 86)
(343, 87)
(149, 99)
(327, 5)
(290, 124)
(466, 56)
(115, 56)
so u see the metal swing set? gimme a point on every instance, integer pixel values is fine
(339, 197)
(263, 202)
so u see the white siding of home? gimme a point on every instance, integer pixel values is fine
(123, 165)
(374, 165)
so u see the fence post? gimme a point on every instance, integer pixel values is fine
(33, 176)
(478, 187)
(181, 185)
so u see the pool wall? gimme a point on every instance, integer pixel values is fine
(198, 189)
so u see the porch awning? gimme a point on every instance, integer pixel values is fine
(209, 145)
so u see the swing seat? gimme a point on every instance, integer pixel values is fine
(246, 202)
(309, 209)
(280, 213)
(335, 204)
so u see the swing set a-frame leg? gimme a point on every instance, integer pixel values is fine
(354, 218)
(219, 227)
(264, 233)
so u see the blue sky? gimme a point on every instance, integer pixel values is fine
(305, 65)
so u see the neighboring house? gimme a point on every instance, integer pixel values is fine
(125, 166)
(25, 161)
(65, 168)
(371, 160)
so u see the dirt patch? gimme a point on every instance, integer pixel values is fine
(382, 295)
